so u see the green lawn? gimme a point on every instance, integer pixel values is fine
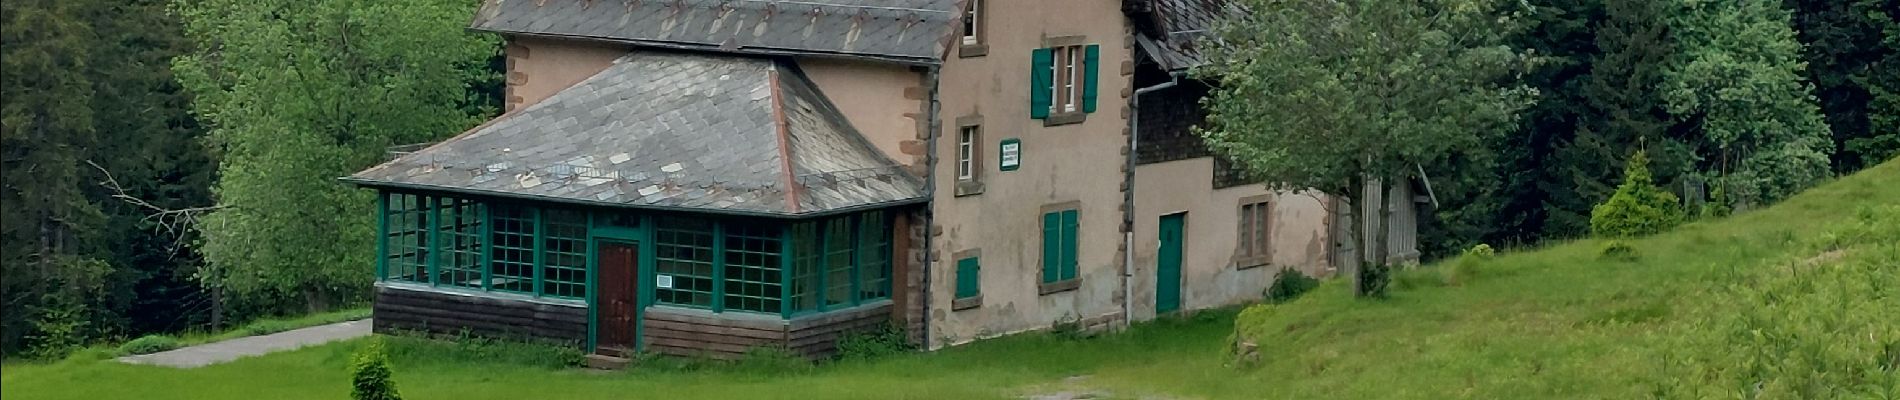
(1796, 300)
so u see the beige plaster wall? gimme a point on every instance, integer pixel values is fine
(881, 99)
(1068, 163)
(1209, 276)
(538, 67)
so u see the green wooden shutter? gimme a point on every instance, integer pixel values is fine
(1042, 82)
(967, 283)
(1051, 247)
(1090, 66)
(1069, 233)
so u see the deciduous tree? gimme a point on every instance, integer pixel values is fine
(1737, 77)
(1343, 95)
(298, 93)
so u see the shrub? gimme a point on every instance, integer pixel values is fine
(1638, 208)
(1466, 268)
(888, 339)
(149, 344)
(1481, 251)
(1616, 250)
(1289, 284)
(370, 374)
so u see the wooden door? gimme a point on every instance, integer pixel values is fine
(1168, 264)
(618, 296)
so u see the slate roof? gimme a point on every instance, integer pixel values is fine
(1180, 24)
(913, 31)
(714, 133)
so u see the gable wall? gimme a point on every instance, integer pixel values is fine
(539, 67)
(882, 100)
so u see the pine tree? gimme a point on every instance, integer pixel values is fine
(46, 127)
(1853, 53)
(1623, 113)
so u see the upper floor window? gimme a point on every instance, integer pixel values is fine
(1064, 80)
(1068, 64)
(972, 23)
(967, 139)
(974, 31)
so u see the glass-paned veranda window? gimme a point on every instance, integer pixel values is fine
(827, 264)
(758, 265)
(461, 243)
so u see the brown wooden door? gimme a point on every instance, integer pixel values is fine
(619, 296)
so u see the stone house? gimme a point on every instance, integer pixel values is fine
(701, 177)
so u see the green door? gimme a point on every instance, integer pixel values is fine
(1168, 264)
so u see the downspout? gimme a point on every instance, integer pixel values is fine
(930, 192)
(1128, 196)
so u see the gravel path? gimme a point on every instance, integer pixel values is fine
(213, 353)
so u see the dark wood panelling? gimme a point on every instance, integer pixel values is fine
(670, 331)
(817, 336)
(399, 309)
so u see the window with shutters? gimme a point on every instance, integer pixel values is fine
(969, 289)
(1060, 235)
(1254, 247)
(1064, 80)
(1068, 70)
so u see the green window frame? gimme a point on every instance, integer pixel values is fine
(746, 265)
(752, 269)
(459, 238)
(512, 250)
(874, 256)
(840, 262)
(1059, 239)
(683, 262)
(1050, 91)
(969, 283)
(406, 241)
(563, 254)
(807, 250)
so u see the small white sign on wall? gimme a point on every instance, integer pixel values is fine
(663, 282)
(1012, 154)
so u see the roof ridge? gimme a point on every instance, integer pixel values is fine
(784, 139)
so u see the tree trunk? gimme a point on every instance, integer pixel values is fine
(217, 308)
(1355, 191)
(1382, 253)
(315, 299)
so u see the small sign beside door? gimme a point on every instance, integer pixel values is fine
(663, 281)
(1012, 154)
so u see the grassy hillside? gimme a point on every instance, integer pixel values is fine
(1801, 300)
(1797, 301)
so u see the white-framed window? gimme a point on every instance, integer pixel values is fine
(1068, 73)
(973, 23)
(967, 139)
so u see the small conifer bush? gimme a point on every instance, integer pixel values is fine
(1638, 208)
(370, 375)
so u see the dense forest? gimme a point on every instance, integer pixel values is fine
(170, 165)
